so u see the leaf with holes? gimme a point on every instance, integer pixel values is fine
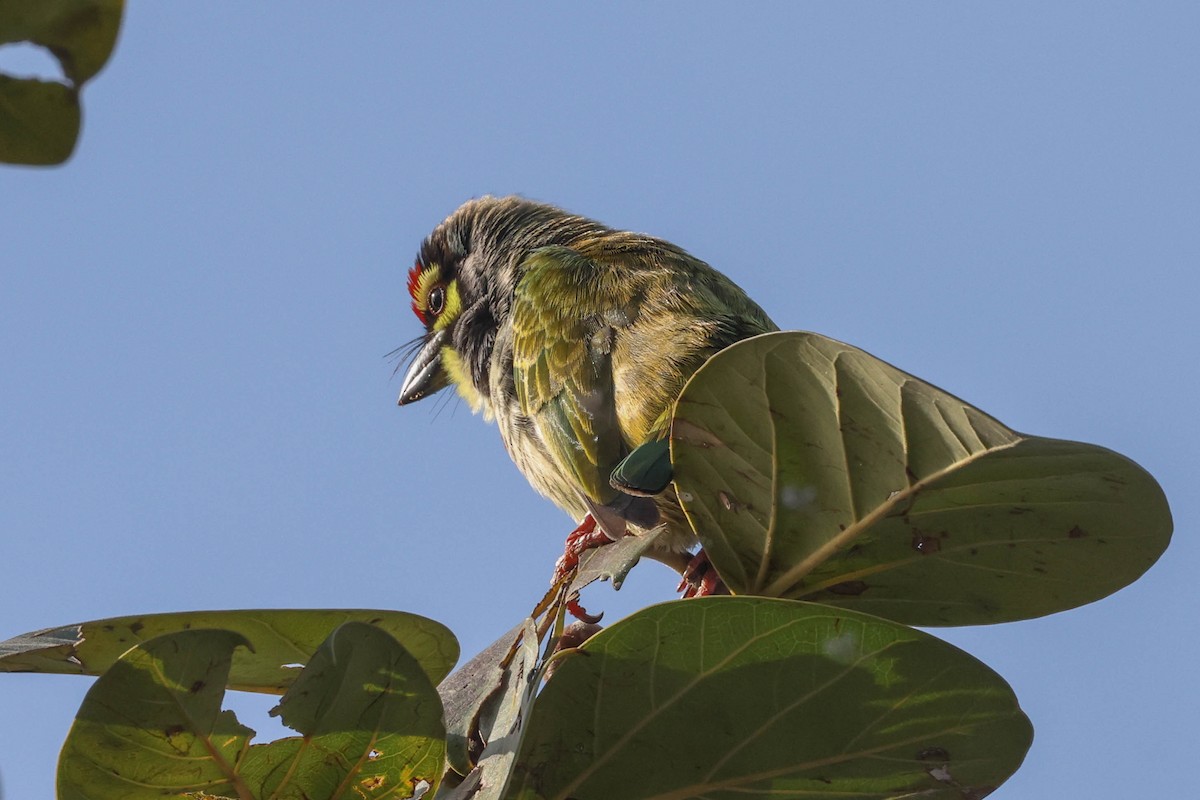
(152, 725)
(39, 119)
(811, 469)
(725, 698)
(371, 722)
(153, 721)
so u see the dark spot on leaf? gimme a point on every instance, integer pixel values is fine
(823, 779)
(925, 545)
(1076, 533)
(173, 730)
(107, 628)
(933, 754)
(842, 527)
(197, 686)
(475, 745)
(974, 551)
(851, 588)
(1039, 570)
(136, 628)
(1020, 510)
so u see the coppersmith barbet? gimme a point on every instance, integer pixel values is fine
(576, 339)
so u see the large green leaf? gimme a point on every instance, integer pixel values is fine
(811, 469)
(160, 703)
(39, 120)
(724, 698)
(280, 638)
(371, 722)
(152, 725)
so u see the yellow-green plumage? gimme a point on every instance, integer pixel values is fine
(577, 339)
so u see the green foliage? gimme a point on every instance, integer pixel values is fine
(808, 469)
(370, 719)
(39, 120)
(275, 639)
(748, 696)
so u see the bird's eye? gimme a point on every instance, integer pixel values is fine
(437, 300)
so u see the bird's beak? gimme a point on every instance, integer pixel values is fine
(425, 375)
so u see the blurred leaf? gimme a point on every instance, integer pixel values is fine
(39, 120)
(724, 698)
(152, 725)
(813, 470)
(80, 33)
(280, 638)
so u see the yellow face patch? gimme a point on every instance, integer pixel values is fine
(451, 306)
(435, 301)
(460, 376)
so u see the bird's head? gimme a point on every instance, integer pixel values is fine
(462, 288)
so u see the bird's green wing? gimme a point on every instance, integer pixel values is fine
(563, 371)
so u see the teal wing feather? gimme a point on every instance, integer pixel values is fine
(646, 471)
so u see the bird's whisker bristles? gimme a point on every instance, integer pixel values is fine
(403, 354)
(446, 399)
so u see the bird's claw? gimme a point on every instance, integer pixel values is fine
(580, 613)
(700, 578)
(586, 537)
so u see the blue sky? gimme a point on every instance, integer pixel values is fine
(195, 311)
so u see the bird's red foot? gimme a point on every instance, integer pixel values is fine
(700, 578)
(586, 537)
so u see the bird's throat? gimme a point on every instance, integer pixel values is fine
(460, 376)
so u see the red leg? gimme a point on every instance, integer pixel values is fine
(586, 537)
(700, 578)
